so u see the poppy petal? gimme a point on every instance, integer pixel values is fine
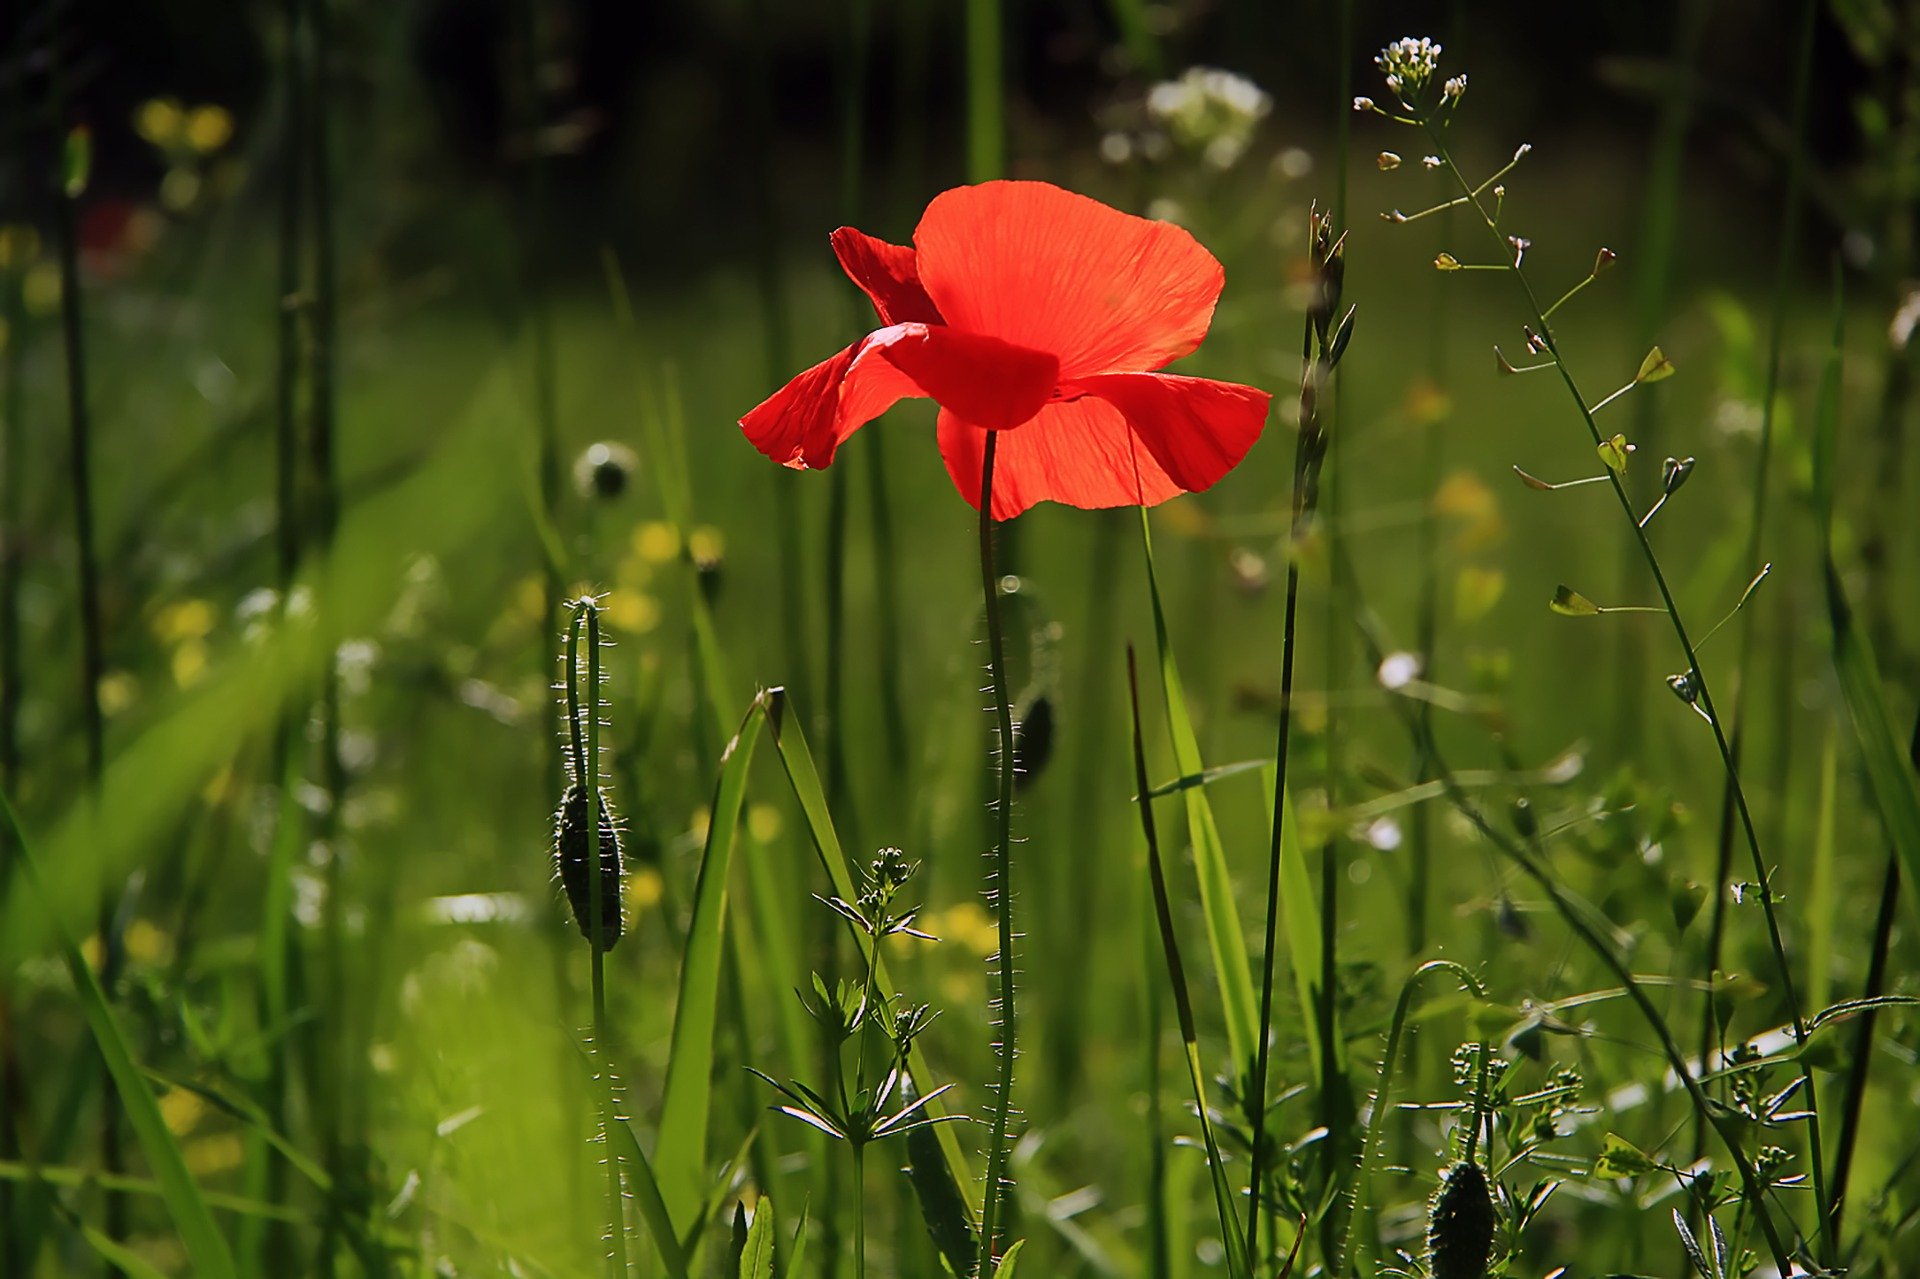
(805, 421)
(1046, 269)
(887, 274)
(983, 379)
(1197, 429)
(1079, 452)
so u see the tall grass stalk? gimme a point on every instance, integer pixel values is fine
(273, 995)
(999, 881)
(1792, 202)
(985, 76)
(538, 310)
(337, 1054)
(70, 185)
(1321, 344)
(1703, 693)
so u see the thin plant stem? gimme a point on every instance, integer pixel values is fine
(860, 1207)
(1000, 891)
(1318, 360)
(1704, 693)
(1257, 1095)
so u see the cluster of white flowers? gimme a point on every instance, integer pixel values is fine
(1409, 63)
(1209, 111)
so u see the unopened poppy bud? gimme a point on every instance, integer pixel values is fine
(571, 855)
(1460, 1225)
(1032, 741)
(604, 470)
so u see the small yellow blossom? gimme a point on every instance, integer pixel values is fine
(118, 690)
(632, 611)
(160, 121)
(183, 620)
(656, 541)
(644, 888)
(707, 544)
(40, 289)
(209, 128)
(19, 245)
(211, 1156)
(145, 942)
(182, 1109)
(189, 663)
(763, 822)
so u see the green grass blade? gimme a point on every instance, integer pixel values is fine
(1224, 937)
(1883, 758)
(206, 1248)
(644, 1187)
(804, 778)
(688, 1097)
(1223, 1196)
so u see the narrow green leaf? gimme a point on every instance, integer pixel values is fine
(1007, 1263)
(1571, 603)
(687, 1098)
(644, 1187)
(1223, 1195)
(1225, 940)
(1655, 368)
(1891, 778)
(206, 1247)
(756, 1257)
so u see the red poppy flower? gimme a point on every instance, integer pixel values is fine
(1030, 310)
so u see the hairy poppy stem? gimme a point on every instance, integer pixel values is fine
(583, 717)
(1002, 886)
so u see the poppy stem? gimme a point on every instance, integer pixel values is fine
(1000, 885)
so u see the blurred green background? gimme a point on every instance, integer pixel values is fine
(505, 180)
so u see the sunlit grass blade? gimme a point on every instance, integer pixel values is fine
(1223, 1196)
(206, 1247)
(687, 1098)
(644, 1187)
(1225, 939)
(1359, 1247)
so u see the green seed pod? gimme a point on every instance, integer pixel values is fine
(1460, 1225)
(570, 857)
